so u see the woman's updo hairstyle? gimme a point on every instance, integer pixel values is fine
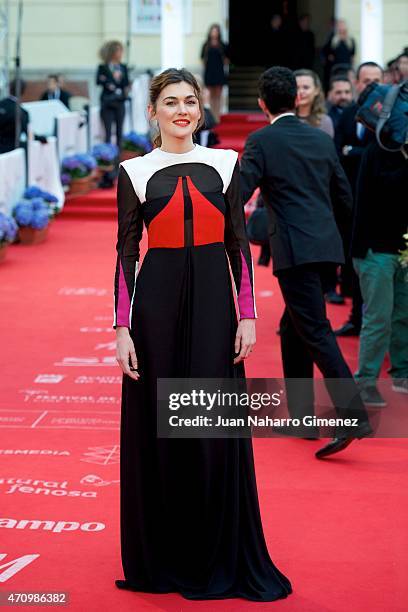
(169, 77)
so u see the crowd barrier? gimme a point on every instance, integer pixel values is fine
(12, 178)
(44, 169)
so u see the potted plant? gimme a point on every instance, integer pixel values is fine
(50, 199)
(79, 170)
(105, 155)
(8, 233)
(32, 217)
(134, 145)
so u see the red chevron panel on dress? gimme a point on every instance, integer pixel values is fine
(167, 228)
(208, 221)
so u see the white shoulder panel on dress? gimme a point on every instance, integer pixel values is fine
(223, 160)
(141, 169)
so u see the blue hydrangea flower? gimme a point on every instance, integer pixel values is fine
(11, 229)
(37, 203)
(40, 219)
(32, 192)
(78, 166)
(23, 213)
(137, 142)
(105, 153)
(8, 228)
(65, 178)
(49, 197)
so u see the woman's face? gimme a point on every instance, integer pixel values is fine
(307, 91)
(177, 111)
(214, 34)
(118, 54)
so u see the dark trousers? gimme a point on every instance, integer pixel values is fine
(113, 113)
(330, 280)
(307, 339)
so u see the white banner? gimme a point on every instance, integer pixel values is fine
(43, 115)
(96, 126)
(12, 178)
(71, 138)
(146, 16)
(44, 168)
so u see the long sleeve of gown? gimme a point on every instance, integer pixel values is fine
(130, 229)
(237, 247)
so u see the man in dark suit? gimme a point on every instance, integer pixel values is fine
(300, 177)
(340, 96)
(351, 140)
(54, 90)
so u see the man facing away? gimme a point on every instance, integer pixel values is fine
(300, 177)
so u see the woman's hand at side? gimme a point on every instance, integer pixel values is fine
(245, 339)
(125, 352)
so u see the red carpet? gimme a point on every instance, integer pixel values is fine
(235, 127)
(337, 528)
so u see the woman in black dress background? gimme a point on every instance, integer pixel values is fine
(214, 54)
(112, 75)
(190, 520)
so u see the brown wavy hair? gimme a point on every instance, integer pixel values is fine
(169, 77)
(108, 50)
(318, 106)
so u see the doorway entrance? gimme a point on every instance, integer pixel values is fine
(256, 42)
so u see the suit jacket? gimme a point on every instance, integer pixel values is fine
(298, 171)
(380, 216)
(112, 91)
(8, 123)
(346, 134)
(63, 97)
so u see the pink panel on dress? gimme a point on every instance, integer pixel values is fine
(123, 300)
(245, 298)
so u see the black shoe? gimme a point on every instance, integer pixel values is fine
(372, 397)
(333, 298)
(340, 443)
(348, 329)
(335, 446)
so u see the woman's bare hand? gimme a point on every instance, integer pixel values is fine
(125, 352)
(245, 339)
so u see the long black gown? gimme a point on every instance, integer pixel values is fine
(190, 520)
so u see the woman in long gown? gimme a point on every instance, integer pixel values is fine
(190, 520)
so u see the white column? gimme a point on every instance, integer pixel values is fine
(371, 40)
(172, 43)
(338, 9)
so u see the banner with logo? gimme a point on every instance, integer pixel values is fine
(146, 16)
